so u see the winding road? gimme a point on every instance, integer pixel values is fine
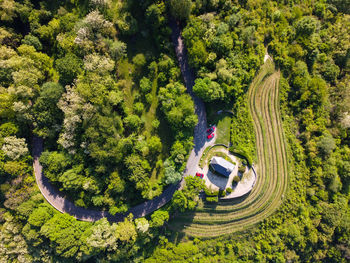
(59, 201)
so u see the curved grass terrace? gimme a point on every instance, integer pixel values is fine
(272, 169)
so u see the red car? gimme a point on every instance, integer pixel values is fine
(199, 175)
(211, 129)
(210, 136)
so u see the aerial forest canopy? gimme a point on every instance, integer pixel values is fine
(99, 81)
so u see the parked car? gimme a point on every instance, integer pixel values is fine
(200, 175)
(211, 129)
(210, 136)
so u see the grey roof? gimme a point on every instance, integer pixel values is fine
(222, 166)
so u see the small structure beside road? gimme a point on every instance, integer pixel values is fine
(221, 166)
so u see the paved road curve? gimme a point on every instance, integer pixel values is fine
(62, 204)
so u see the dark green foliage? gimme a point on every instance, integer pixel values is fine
(241, 169)
(180, 9)
(32, 41)
(102, 152)
(68, 67)
(326, 144)
(47, 114)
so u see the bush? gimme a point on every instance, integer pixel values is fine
(68, 68)
(212, 199)
(222, 193)
(210, 192)
(236, 179)
(31, 40)
(229, 190)
(241, 169)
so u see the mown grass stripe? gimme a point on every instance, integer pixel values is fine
(224, 218)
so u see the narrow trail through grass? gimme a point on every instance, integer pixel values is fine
(272, 170)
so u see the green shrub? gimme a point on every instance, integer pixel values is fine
(222, 193)
(236, 179)
(241, 169)
(210, 192)
(212, 199)
(229, 190)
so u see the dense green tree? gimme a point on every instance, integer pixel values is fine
(31, 40)
(47, 114)
(326, 144)
(181, 9)
(208, 90)
(158, 218)
(170, 173)
(307, 25)
(65, 231)
(68, 67)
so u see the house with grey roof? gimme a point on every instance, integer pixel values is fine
(221, 166)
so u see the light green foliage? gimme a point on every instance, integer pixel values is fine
(133, 122)
(306, 26)
(8, 129)
(13, 246)
(170, 173)
(102, 236)
(198, 54)
(14, 147)
(139, 61)
(97, 63)
(178, 107)
(138, 171)
(187, 199)
(145, 85)
(40, 215)
(117, 49)
(126, 230)
(142, 224)
(91, 31)
(154, 144)
(109, 155)
(208, 90)
(72, 179)
(65, 232)
(158, 218)
(116, 184)
(179, 201)
(54, 164)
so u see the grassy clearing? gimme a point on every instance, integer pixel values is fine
(125, 70)
(150, 115)
(223, 130)
(237, 215)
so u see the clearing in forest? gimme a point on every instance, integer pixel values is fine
(225, 217)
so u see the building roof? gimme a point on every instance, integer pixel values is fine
(222, 166)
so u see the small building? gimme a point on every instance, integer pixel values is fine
(221, 166)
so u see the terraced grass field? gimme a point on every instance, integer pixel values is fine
(272, 169)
